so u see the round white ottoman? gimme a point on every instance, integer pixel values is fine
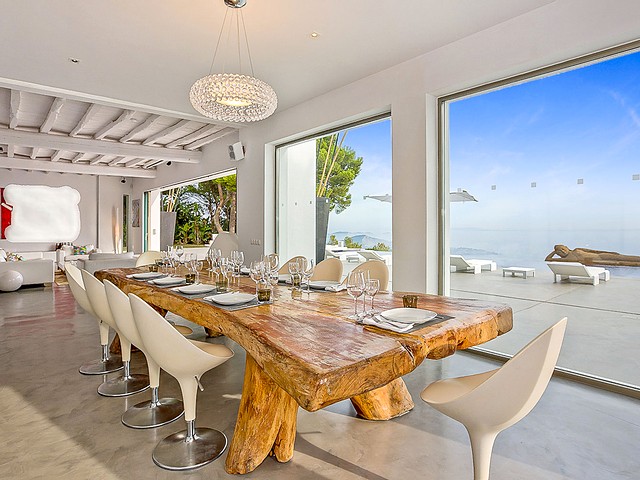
(10, 281)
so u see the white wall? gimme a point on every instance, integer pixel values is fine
(297, 201)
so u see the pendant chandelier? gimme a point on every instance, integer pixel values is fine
(233, 97)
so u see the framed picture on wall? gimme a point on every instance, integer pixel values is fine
(135, 213)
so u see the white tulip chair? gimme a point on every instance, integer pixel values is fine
(106, 363)
(187, 361)
(487, 403)
(128, 383)
(157, 411)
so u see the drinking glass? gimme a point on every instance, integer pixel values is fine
(355, 288)
(294, 271)
(179, 252)
(198, 265)
(372, 287)
(272, 259)
(256, 270)
(308, 273)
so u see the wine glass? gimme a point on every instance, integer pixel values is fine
(294, 271)
(198, 265)
(272, 259)
(355, 288)
(179, 252)
(372, 287)
(308, 273)
(256, 270)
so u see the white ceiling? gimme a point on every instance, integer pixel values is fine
(149, 52)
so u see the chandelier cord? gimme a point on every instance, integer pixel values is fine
(246, 40)
(215, 53)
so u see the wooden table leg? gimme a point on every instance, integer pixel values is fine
(384, 403)
(266, 423)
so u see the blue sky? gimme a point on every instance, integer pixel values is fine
(373, 143)
(581, 124)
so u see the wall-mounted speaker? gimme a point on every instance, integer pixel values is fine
(236, 151)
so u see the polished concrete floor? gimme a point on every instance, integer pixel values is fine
(54, 425)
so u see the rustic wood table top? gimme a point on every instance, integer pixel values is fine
(313, 351)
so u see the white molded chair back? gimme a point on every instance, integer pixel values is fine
(225, 242)
(329, 269)
(376, 269)
(490, 402)
(175, 354)
(148, 258)
(98, 298)
(284, 269)
(76, 284)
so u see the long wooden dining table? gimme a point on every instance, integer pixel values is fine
(307, 352)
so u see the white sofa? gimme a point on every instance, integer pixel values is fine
(34, 272)
(103, 261)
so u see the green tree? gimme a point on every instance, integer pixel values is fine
(336, 169)
(333, 240)
(381, 247)
(349, 243)
(218, 199)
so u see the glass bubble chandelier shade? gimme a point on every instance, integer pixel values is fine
(233, 97)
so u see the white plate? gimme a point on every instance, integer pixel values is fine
(196, 288)
(168, 281)
(245, 271)
(409, 315)
(147, 275)
(285, 277)
(322, 284)
(231, 298)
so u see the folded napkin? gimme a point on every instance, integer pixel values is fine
(336, 288)
(380, 322)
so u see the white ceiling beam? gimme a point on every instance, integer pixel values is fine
(11, 150)
(135, 162)
(77, 158)
(88, 115)
(140, 128)
(201, 132)
(16, 98)
(34, 153)
(45, 166)
(96, 147)
(117, 160)
(104, 131)
(57, 155)
(97, 160)
(52, 116)
(153, 163)
(167, 131)
(211, 138)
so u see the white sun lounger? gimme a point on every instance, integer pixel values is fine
(564, 270)
(371, 255)
(460, 264)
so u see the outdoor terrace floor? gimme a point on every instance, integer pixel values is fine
(604, 320)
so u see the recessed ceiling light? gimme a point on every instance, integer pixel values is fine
(315, 34)
(74, 60)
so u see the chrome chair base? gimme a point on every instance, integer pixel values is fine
(176, 453)
(150, 415)
(124, 386)
(100, 367)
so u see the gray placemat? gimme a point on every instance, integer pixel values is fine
(436, 320)
(231, 308)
